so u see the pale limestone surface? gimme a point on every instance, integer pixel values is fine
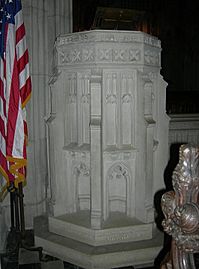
(184, 128)
(108, 125)
(138, 254)
(108, 144)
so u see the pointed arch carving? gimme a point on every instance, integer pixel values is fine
(117, 189)
(81, 174)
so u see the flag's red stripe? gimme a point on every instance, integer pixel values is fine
(3, 162)
(13, 109)
(20, 33)
(22, 61)
(2, 97)
(1, 89)
(25, 128)
(2, 128)
(4, 165)
(25, 90)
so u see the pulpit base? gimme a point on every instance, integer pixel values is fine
(86, 256)
(118, 228)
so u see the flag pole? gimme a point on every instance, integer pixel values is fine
(15, 193)
(21, 208)
(12, 211)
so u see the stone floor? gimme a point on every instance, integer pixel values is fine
(33, 259)
(30, 260)
(53, 263)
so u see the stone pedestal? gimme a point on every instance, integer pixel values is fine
(108, 136)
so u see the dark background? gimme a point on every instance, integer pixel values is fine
(176, 24)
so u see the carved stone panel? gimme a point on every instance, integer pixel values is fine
(77, 108)
(128, 108)
(117, 188)
(119, 107)
(149, 98)
(70, 95)
(83, 83)
(82, 178)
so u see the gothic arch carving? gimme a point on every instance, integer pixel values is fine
(117, 189)
(81, 174)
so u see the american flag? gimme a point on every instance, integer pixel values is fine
(15, 91)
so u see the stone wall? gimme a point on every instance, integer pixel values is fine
(184, 128)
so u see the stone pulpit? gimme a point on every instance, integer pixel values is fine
(108, 148)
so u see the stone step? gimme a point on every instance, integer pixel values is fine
(135, 254)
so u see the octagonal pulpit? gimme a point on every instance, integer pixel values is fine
(108, 138)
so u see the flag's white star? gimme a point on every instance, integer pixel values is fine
(8, 16)
(1, 9)
(10, 1)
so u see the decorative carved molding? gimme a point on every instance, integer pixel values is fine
(81, 169)
(118, 171)
(109, 36)
(108, 47)
(104, 54)
(111, 90)
(149, 101)
(127, 88)
(120, 55)
(107, 54)
(84, 81)
(181, 208)
(151, 57)
(72, 93)
(134, 55)
(126, 98)
(118, 185)
(88, 55)
(120, 155)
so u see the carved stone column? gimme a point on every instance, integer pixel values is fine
(44, 21)
(96, 163)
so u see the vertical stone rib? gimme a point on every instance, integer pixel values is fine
(35, 190)
(43, 23)
(96, 152)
